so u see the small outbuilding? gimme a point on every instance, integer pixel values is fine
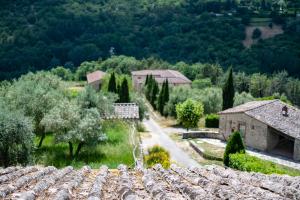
(271, 126)
(125, 111)
(94, 79)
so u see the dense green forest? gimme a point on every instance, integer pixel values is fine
(37, 35)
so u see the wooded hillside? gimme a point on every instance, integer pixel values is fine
(42, 34)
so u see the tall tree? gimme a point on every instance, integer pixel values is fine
(149, 88)
(147, 79)
(228, 91)
(112, 86)
(124, 92)
(154, 92)
(166, 92)
(161, 100)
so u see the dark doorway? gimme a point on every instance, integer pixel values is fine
(283, 145)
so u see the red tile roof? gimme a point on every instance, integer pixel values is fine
(161, 75)
(95, 76)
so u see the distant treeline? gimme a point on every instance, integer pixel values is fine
(207, 80)
(37, 35)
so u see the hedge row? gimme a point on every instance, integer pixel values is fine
(212, 121)
(245, 162)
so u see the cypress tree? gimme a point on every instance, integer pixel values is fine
(161, 99)
(124, 92)
(228, 91)
(118, 92)
(234, 145)
(147, 79)
(154, 92)
(112, 87)
(149, 88)
(166, 92)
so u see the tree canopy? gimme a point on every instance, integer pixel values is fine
(66, 33)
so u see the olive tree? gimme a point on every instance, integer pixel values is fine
(72, 124)
(189, 113)
(16, 138)
(241, 98)
(89, 98)
(35, 94)
(61, 120)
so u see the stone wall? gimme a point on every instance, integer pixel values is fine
(202, 134)
(256, 132)
(297, 150)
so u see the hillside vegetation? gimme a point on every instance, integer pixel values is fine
(37, 35)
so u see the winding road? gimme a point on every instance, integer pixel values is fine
(158, 136)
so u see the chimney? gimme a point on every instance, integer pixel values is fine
(284, 111)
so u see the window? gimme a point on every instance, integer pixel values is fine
(242, 129)
(252, 127)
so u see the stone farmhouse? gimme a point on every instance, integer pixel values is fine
(175, 78)
(271, 126)
(95, 79)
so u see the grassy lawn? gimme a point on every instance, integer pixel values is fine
(116, 150)
(210, 149)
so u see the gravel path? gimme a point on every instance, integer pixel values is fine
(158, 136)
(276, 159)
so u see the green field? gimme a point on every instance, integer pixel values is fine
(116, 150)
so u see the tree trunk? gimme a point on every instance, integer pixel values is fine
(78, 149)
(71, 150)
(42, 139)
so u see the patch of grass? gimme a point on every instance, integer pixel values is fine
(116, 150)
(211, 150)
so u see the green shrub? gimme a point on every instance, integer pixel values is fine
(245, 162)
(140, 127)
(234, 145)
(157, 155)
(256, 34)
(212, 121)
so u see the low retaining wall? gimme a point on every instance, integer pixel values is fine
(202, 134)
(202, 153)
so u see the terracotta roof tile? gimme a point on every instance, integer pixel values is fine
(95, 76)
(178, 183)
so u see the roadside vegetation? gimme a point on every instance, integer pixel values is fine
(157, 155)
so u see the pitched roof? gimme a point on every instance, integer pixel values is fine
(95, 76)
(125, 111)
(270, 113)
(35, 182)
(161, 75)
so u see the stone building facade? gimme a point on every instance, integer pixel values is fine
(270, 126)
(174, 78)
(94, 79)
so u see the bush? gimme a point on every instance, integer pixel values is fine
(189, 113)
(212, 121)
(245, 162)
(256, 34)
(157, 155)
(234, 145)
